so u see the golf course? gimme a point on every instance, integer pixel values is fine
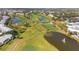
(32, 38)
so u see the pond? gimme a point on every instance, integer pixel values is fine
(16, 20)
(61, 41)
(41, 18)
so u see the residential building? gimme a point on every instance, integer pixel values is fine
(5, 38)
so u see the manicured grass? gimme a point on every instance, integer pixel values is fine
(33, 37)
(36, 40)
(50, 27)
(33, 40)
(22, 17)
(30, 47)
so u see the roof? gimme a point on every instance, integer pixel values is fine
(74, 19)
(2, 21)
(4, 29)
(5, 37)
(73, 30)
(5, 17)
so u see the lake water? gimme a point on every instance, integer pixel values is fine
(61, 41)
(41, 18)
(16, 20)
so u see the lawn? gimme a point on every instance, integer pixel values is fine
(36, 40)
(33, 37)
(33, 40)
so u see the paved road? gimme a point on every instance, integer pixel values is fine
(62, 42)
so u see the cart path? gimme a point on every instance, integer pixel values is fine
(16, 45)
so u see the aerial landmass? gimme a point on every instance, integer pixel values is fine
(39, 29)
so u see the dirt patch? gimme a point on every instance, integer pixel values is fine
(17, 45)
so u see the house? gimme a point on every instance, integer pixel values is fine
(73, 26)
(51, 15)
(4, 28)
(4, 19)
(5, 38)
(20, 13)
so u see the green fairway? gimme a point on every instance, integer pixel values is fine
(32, 39)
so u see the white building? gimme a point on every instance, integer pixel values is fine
(73, 25)
(51, 15)
(5, 38)
(4, 19)
(4, 29)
